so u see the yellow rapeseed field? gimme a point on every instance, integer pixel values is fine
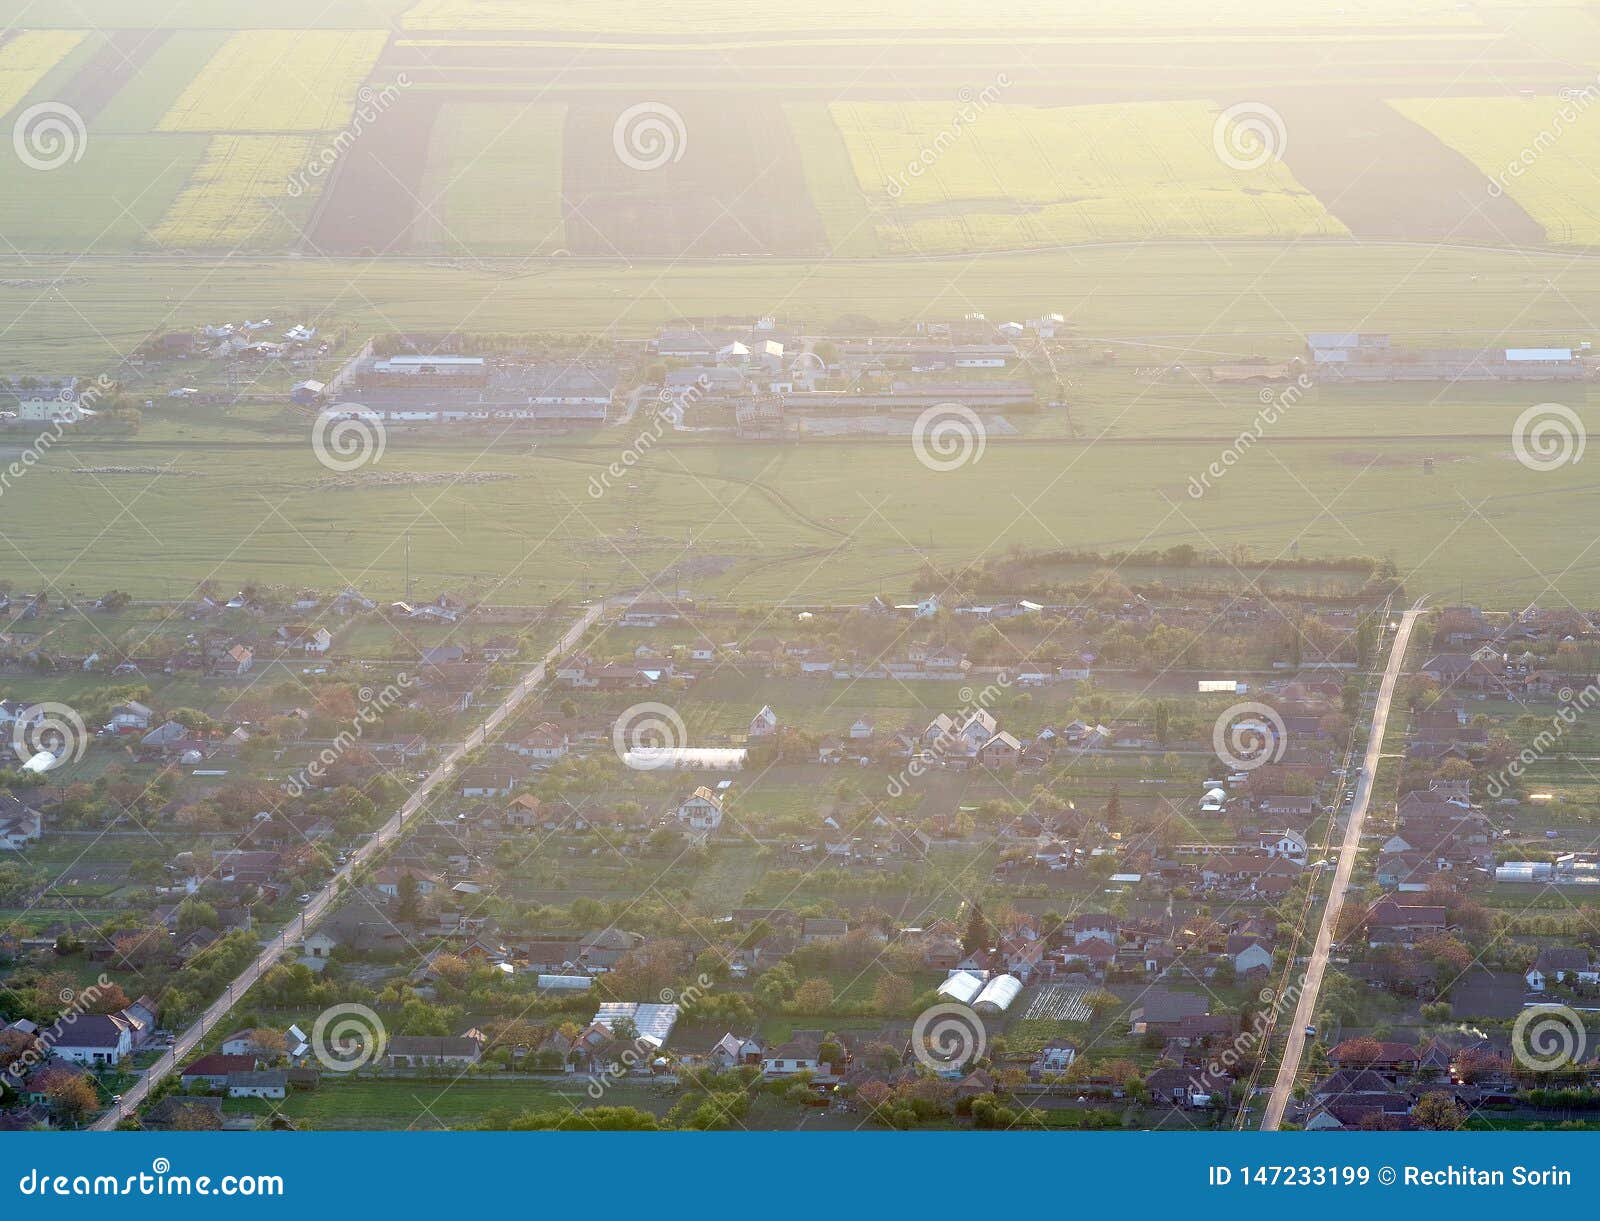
(278, 80)
(1543, 152)
(999, 176)
(239, 196)
(25, 58)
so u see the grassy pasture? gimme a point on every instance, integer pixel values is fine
(719, 517)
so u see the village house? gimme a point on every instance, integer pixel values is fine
(764, 724)
(214, 1070)
(427, 1051)
(545, 742)
(94, 1038)
(1559, 964)
(1391, 923)
(271, 1083)
(700, 811)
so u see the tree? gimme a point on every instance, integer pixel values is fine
(72, 1096)
(814, 996)
(1114, 808)
(892, 994)
(978, 936)
(408, 903)
(1437, 1111)
(1360, 1051)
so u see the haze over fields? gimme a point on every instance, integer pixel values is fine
(1186, 185)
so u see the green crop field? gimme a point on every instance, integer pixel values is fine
(493, 182)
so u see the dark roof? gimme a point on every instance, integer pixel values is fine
(219, 1065)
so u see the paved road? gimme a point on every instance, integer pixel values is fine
(322, 900)
(1311, 985)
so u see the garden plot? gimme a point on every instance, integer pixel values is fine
(1059, 1003)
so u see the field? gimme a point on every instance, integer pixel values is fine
(238, 195)
(1553, 147)
(720, 518)
(730, 182)
(500, 139)
(493, 180)
(1000, 176)
(25, 58)
(721, 16)
(274, 80)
